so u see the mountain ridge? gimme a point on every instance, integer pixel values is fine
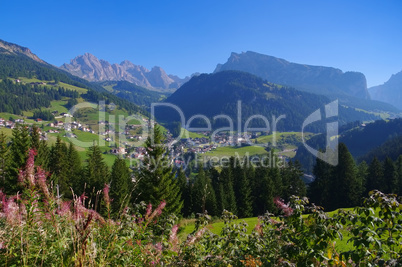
(389, 92)
(91, 68)
(314, 79)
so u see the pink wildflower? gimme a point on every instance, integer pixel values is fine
(282, 206)
(106, 190)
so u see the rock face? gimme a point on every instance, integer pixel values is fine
(9, 48)
(93, 69)
(315, 79)
(390, 91)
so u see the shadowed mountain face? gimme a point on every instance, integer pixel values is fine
(390, 91)
(93, 69)
(219, 93)
(315, 79)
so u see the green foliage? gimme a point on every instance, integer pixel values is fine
(157, 181)
(120, 185)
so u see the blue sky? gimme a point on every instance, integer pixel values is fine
(189, 36)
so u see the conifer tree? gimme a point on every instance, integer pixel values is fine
(292, 182)
(345, 187)
(73, 167)
(375, 177)
(217, 184)
(242, 190)
(35, 138)
(186, 193)
(227, 184)
(96, 173)
(120, 185)
(362, 172)
(390, 176)
(157, 181)
(4, 159)
(319, 189)
(58, 165)
(399, 174)
(204, 194)
(20, 143)
(43, 156)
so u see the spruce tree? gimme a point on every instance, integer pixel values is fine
(35, 138)
(20, 143)
(292, 182)
(227, 184)
(58, 166)
(319, 190)
(43, 156)
(375, 177)
(390, 176)
(242, 190)
(399, 174)
(4, 159)
(186, 193)
(157, 181)
(218, 186)
(73, 168)
(120, 185)
(362, 172)
(96, 174)
(204, 194)
(345, 189)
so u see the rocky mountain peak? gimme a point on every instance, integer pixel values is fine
(10, 48)
(91, 68)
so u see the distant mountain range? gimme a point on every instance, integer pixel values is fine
(313, 79)
(93, 69)
(218, 93)
(390, 91)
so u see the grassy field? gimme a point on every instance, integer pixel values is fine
(186, 134)
(61, 84)
(188, 226)
(281, 136)
(236, 151)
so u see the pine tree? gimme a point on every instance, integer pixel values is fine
(217, 184)
(186, 193)
(319, 190)
(35, 138)
(20, 143)
(157, 181)
(390, 176)
(292, 182)
(74, 168)
(58, 167)
(345, 186)
(375, 177)
(242, 190)
(204, 194)
(4, 159)
(362, 172)
(43, 156)
(228, 191)
(120, 185)
(96, 174)
(399, 174)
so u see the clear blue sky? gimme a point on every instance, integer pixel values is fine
(190, 36)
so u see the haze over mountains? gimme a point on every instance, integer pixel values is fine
(390, 91)
(91, 68)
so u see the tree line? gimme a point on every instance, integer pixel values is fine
(347, 183)
(242, 188)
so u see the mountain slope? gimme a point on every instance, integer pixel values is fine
(17, 61)
(314, 79)
(93, 69)
(218, 93)
(390, 91)
(363, 142)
